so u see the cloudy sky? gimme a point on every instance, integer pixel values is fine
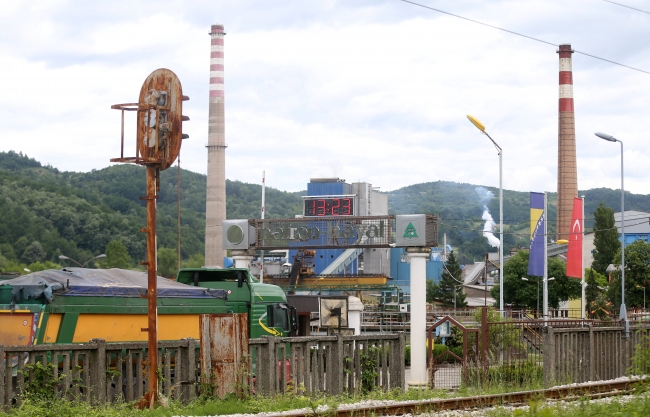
(364, 90)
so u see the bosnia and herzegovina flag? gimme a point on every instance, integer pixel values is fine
(537, 236)
(574, 254)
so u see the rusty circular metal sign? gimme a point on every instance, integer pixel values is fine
(160, 119)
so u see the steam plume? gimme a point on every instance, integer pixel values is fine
(485, 196)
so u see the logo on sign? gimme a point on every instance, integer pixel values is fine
(410, 232)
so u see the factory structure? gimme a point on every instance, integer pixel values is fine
(567, 171)
(215, 202)
(364, 265)
(343, 268)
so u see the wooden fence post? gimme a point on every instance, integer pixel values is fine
(335, 367)
(3, 372)
(98, 376)
(188, 370)
(265, 373)
(591, 355)
(400, 355)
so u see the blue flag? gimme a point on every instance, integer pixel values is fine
(537, 219)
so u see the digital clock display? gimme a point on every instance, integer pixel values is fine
(329, 206)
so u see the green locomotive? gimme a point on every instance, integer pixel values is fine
(75, 305)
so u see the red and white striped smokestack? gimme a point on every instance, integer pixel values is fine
(567, 172)
(215, 210)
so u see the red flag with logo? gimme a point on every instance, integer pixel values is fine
(574, 255)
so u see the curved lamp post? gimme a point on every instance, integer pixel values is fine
(481, 127)
(623, 312)
(85, 263)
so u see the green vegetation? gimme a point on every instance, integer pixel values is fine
(637, 405)
(605, 239)
(637, 275)
(78, 214)
(167, 262)
(47, 213)
(597, 304)
(449, 293)
(522, 293)
(116, 256)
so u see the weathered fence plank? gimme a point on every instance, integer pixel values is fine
(588, 354)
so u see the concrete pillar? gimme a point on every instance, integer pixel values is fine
(417, 258)
(242, 258)
(355, 307)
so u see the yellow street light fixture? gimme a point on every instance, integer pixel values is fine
(481, 127)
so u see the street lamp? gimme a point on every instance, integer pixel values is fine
(623, 312)
(62, 257)
(481, 127)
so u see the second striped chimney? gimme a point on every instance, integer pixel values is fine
(567, 172)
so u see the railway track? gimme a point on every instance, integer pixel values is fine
(585, 391)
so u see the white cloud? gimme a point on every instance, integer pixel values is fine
(374, 91)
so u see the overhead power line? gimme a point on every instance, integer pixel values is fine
(522, 35)
(623, 5)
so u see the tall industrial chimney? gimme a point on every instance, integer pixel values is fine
(567, 173)
(215, 206)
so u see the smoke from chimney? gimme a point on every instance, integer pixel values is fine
(485, 196)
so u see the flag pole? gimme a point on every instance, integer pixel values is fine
(545, 279)
(263, 203)
(582, 266)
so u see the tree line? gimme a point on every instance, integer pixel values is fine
(603, 277)
(77, 214)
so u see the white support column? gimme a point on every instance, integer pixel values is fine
(242, 258)
(417, 258)
(545, 277)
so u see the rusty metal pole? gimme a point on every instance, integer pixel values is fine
(152, 295)
(484, 340)
(179, 211)
(158, 142)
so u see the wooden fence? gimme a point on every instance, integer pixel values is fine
(589, 354)
(97, 372)
(100, 372)
(332, 364)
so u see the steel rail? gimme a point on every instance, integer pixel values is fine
(569, 393)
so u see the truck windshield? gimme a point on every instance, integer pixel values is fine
(281, 316)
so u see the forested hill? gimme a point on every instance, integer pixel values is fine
(78, 214)
(46, 212)
(461, 206)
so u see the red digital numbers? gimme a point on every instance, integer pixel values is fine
(336, 206)
(347, 207)
(329, 207)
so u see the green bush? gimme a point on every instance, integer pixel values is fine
(457, 350)
(439, 349)
(641, 357)
(407, 355)
(516, 374)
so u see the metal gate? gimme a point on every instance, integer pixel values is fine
(449, 369)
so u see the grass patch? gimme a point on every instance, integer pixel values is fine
(638, 406)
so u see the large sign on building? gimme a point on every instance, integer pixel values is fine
(330, 232)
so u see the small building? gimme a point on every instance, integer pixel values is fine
(637, 225)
